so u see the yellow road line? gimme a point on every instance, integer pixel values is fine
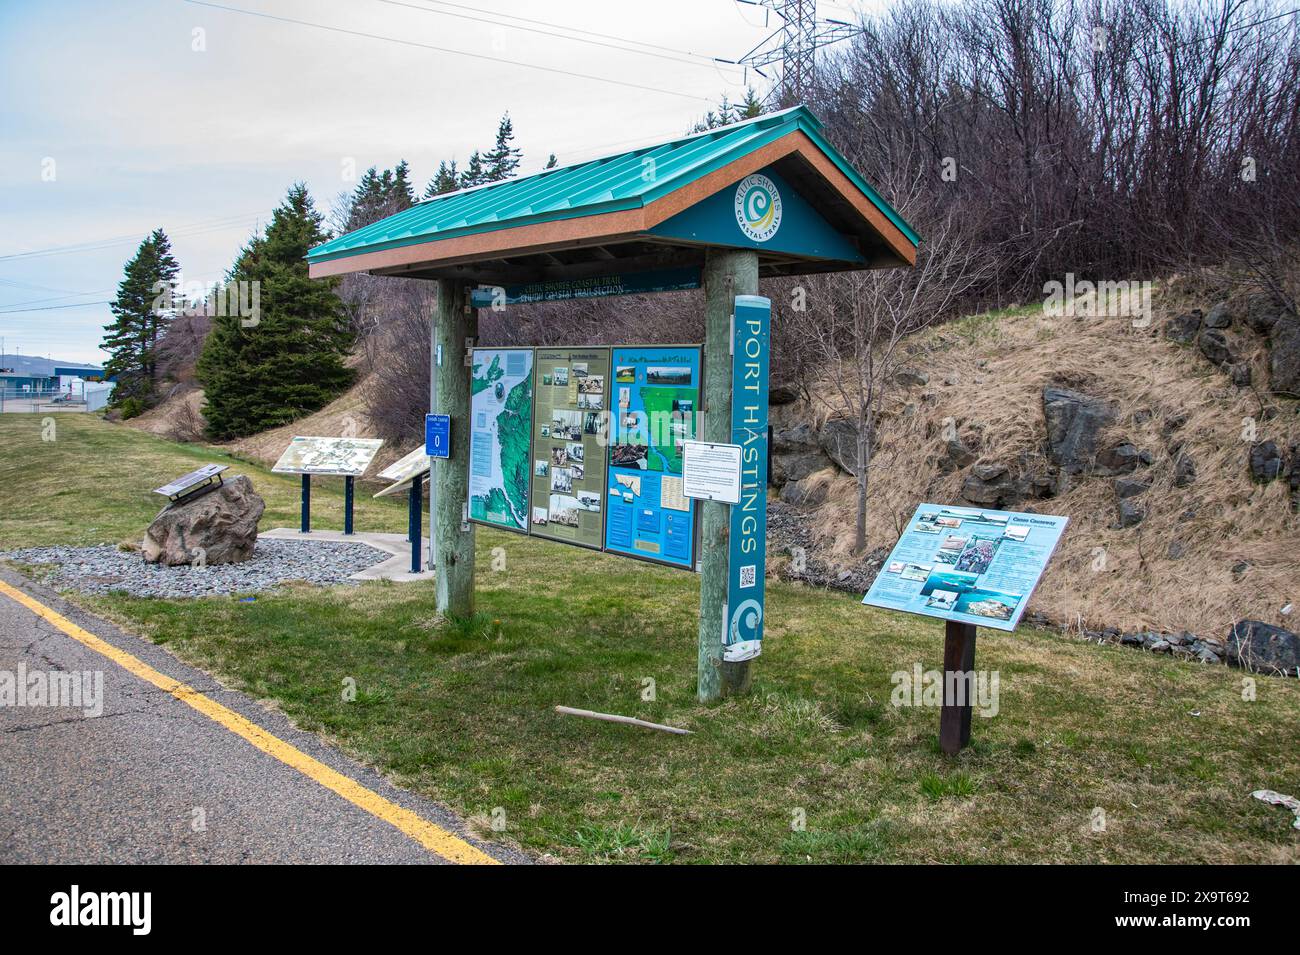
(432, 837)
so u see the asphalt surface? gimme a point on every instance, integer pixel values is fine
(153, 780)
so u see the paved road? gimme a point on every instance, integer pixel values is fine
(155, 779)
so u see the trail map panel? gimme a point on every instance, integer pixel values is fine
(345, 457)
(569, 429)
(966, 564)
(656, 398)
(500, 446)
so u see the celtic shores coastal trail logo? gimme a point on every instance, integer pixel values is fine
(758, 207)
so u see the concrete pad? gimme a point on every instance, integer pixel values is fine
(396, 567)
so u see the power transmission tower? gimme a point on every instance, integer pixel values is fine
(793, 47)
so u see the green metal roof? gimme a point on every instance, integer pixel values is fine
(598, 186)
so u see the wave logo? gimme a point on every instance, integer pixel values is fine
(758, 207)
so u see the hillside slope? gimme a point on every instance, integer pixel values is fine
(1198, 545)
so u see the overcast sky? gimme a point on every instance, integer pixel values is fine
(116, 118)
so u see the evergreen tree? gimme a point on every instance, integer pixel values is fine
(141, 312)
(502, 160)
(380, 194)
(552, 162)
(474, 173)
(446, 180)
(402, 195)
(288, 361)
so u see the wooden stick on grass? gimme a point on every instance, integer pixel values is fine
(629, 720)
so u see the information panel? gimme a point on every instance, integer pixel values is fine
(500, 445)
(655, 399)
(569, 428)
(969, 565)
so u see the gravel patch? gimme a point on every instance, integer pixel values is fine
(105, 569)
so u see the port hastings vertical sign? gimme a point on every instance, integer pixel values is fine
(747, 541)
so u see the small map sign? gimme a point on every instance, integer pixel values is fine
(711, 472)
(347, 457)
(437, 435)
(195, 480)
(403, 471)
(966, 564)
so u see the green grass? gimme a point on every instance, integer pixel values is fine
(815, 766)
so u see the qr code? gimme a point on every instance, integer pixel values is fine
(747, 578)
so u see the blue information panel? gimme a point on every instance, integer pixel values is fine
(654, 400)
(437, 435)
(969, 565)
(747, 542)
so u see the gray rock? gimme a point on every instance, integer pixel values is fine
(991, 485)
(1219, 317)
(1131, 639)
(1207, 655)
(1263, 648)
(1160, 646)
(1263, 312)
(955, 456)
(1284, 357)
(989, 472)
(1184, 470)
(1240, 374)
(796, 467)
(1265, 462)
(806, 492)
(802, 437)
(1184, 328)
(1130, 513)
(216, 527)
(1215, 346)
(782, 395)
(911, 376)
(1074, 425)
(1131, 487)
(1123, 458)
(838, 437)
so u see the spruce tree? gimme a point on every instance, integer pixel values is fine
(446, 180)
(474, 173)
(267, 370)
(502, 160)
(141, 312)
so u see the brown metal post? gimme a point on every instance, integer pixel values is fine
(958, 685)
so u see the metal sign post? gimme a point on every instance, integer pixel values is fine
(349, 490)
(306, 503)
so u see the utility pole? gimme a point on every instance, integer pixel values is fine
(792, 48)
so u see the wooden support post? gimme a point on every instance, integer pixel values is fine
(414, 512)
(349, 490)
(727, 273)
(306, 503)
(958, 685)
(454, 322)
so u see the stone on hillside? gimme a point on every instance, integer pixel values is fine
(802, 437)
(1293, 476)
(216, 527)
(1184, 470)
(1074, 425)
(1219, 317)
(809, 491)
(1123, 458)
(1265, 461)
(1184, 328)
(1263, 311)
(955, 456)
(781, 395)
(1240, 374)
(991, 485)
(1263, 648)
(1214, 345)
(1131, 513)
(1284, 357)
(911, 376)
(1131, 487)
(839, 439)
(796, 467)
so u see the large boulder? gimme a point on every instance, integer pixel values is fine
(839, 439)
(1215, 346)
(1184, 328)
(1264, 648)
(1266, 462)
(1074, 425)
(1284, 357)
(992, 485)
(212, 527)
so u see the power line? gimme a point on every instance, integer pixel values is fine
(52, 308)
(94, 245)
(697, 59)
(441, 49)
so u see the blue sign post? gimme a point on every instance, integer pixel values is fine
(437, 435)
(747, 542)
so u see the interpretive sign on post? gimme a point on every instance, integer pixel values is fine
(965, 564)
(437, 436)
(403, 471)
(968, 567)
(500, 436)
(336, 456)
(711, 472)
(654, 404)
(747, 540)
(569, 437)
(600, 286)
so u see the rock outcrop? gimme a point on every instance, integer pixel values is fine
(1264, 648)
(213, 527)
(1074, 425)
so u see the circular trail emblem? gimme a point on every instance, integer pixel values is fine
(758, 207)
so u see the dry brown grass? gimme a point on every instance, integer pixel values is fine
(1000, 364)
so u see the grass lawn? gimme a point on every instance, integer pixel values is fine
(463, 712)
